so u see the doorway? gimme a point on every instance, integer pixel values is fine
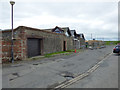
(64, 45)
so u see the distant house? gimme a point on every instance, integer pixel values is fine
(66, 31)
(74, 34)
(62, 30)
(95, 43)
(57, 30)
(76, 41)
(81, 37)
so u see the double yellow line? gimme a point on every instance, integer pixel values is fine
(81, 76)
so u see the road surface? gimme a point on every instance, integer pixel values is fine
(53, 71)
(106, 76)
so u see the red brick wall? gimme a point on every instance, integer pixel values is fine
(6, 50)
(19, 47)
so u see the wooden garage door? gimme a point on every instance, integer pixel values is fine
(33, 46)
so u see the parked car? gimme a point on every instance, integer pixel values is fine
(90, 47)
(116, 49)
(103, 46)
(118, 44)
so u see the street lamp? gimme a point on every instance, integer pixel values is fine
(12, 55)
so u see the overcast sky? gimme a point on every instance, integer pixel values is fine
(99, 18)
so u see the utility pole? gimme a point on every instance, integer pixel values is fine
(91, 36)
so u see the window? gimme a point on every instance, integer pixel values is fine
(57, 31)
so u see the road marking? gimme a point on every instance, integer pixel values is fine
(81, 76)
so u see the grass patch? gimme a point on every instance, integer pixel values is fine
(61, 52)
(55, 53)
(73, 50)
(70, 50)
(111, 42)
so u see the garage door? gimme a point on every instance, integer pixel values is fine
(33, 46)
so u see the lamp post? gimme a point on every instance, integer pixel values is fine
(12, 52)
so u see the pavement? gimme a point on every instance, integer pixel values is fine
(51, 71)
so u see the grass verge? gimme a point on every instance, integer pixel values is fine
(62, 52)
(111, 42)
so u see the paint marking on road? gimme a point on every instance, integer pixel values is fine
(81, 76)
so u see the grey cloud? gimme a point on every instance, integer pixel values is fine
(79, 11)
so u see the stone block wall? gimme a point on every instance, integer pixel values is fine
(51, 42)
(82, 43)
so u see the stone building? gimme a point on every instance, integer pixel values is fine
(81, 37)
(63, 30)
(29, 42)
(95, 43)
(76, 41)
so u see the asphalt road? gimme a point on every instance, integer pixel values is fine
(106, 76)
(52, 71)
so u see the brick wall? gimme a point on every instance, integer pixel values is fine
(18, 45)
(6, 50)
